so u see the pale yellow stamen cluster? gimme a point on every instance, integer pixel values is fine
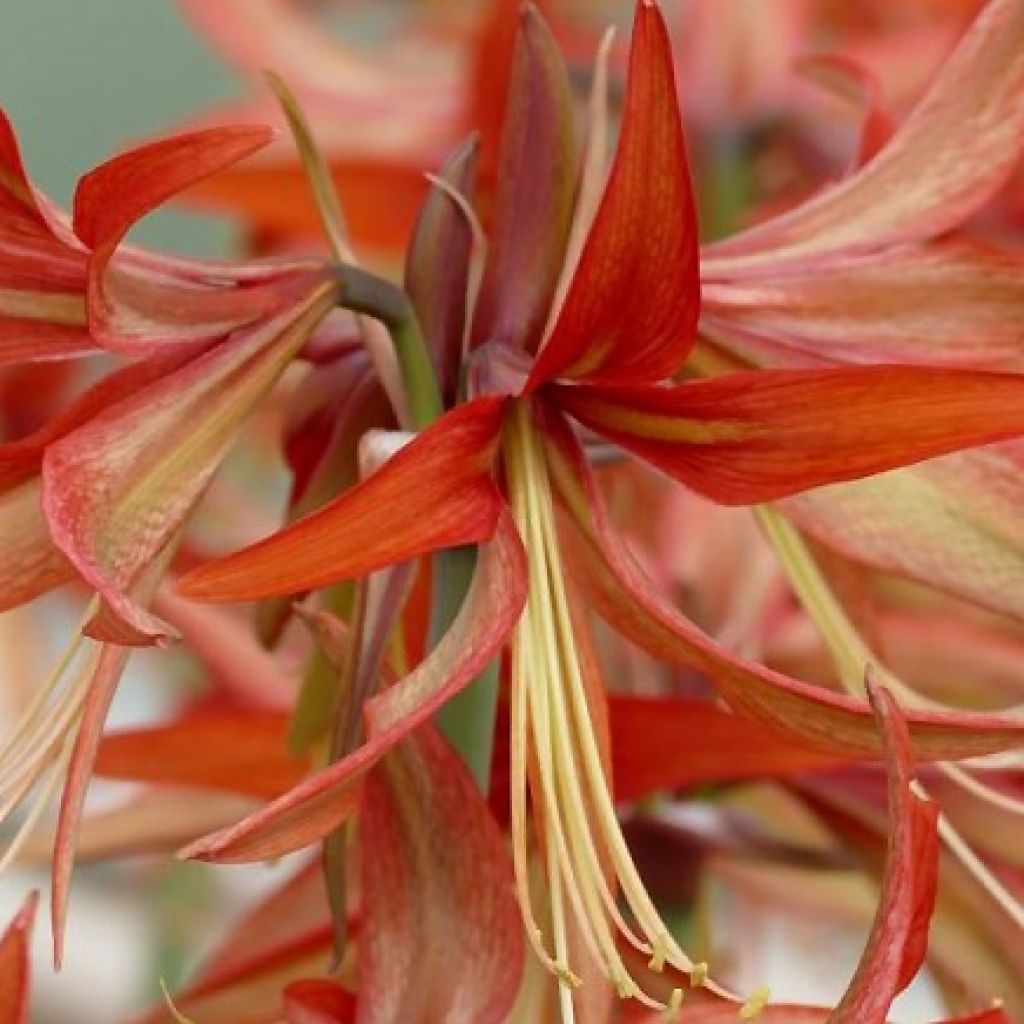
(579, 836)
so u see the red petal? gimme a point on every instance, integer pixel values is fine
(15, 969)
(434, 493)
(668, 743)
(238, 751)
(441, 937)
(533, 206)
(311, 810)
(315, 1001)
(899, 934)
(810, 715)
(764, 434)
(631, 310)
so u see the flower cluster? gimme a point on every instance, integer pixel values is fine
(594, 527)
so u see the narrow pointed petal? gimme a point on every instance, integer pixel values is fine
(235, 751)
(899, 934)
(118, 488)
(533, 206)
(952, 153)
(756, 436)
(951, 523)
(951, 303)
(318, 805)
(631, 310)
(669, 743)
(441, 938)
(438, 266)
(434, 493)
(832, 723)
(15, 969)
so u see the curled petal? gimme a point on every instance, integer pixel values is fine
(319, 804)
(441, 939)
(755, 436)
(631, 309)
(899, 934)
(436, 492)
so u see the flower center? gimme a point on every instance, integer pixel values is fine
(555, 750)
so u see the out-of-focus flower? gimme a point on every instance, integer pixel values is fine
(15, 969)
(583, 311)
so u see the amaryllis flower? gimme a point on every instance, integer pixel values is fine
(102, 491)
(586, 308)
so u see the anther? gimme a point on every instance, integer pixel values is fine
(755, 1004)
(698, 974)
(673, 1006)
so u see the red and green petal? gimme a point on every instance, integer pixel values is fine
(759, 435)
(436, 492)
(631, 310)
(116, 489)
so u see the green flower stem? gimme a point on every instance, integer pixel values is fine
(467, 720)
(366, 293)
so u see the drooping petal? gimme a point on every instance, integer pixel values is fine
(631, 310)
(899, 934)
(116, 489)
(140, 300)
(314, 808)
(755, 436)
(441, 937)
(236, 751)
(833, 723)
(533, 205)
(951, 523)
(24, 339)
(438, 266)
(950, 303)
(434, 493)
(15, 969)
(952, 153)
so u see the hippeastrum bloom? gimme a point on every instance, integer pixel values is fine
(585, 310)
(102, 491)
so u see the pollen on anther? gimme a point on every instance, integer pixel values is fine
(755, 1003)
(698, 974)
(674, 1005)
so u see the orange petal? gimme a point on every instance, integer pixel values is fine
(631, 310)
(15, 970)
(755, 436)
(434, 493)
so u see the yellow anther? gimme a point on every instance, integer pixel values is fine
(567, 976)
(756, 1003)
(698, 974)
(659, 954)
(674, 1006)
(624, 984)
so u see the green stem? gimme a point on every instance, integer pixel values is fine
(366, 293)
(467, 720)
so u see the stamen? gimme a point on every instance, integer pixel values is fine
(755, 1004)
(698, 974)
